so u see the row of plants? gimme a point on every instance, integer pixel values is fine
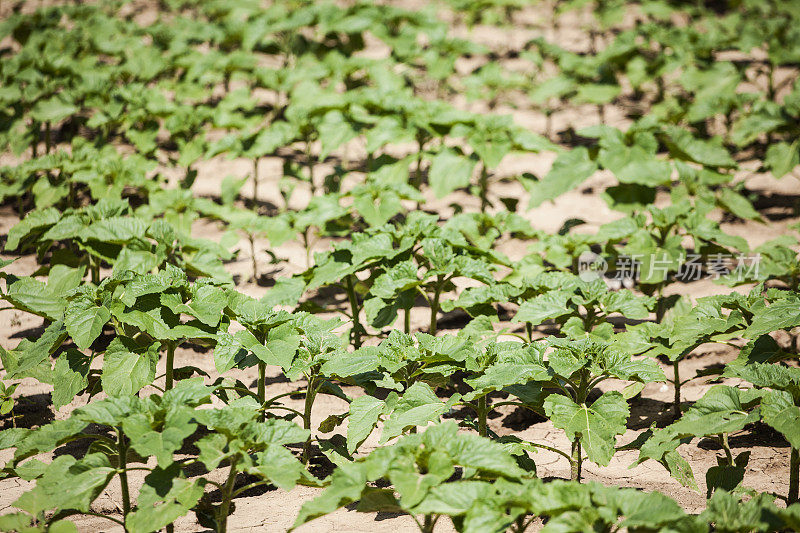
(127, 113)
(728, 74)
(438, 473)
(154, 312)
(311, 108)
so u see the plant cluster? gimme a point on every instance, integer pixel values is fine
(109, 124)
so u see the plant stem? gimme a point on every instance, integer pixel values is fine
(307, 245)
(435, 306)
(794, 477)
(593, 37)
(660, 311)
(309, 402)
(428, 523)
(95, 269)
(565, 455)
(255, 183)
(723, 437)
(47, 141)
(122, 449)
(677, 386)
(187, 178)
(771, 81)
(588, 320)
(407, 321)
(253, 262)
(482, 412)
(529, 330)
(35, 127)
(484, 187)
(575, 467)
(227, 495)
(310, 164)
(170, 364)
(418, 169)
(262, 389)
(358, 329)
(548, 123)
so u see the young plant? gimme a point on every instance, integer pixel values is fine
(147, 434)
(130, 431)
(580, 307)
(421, 469)
(780, 404)
(249, 446)
(411, 369)
(577, 368)
(109, 233)
(714, 319)
(270, 336)
(145, 312)
(722, 411)
(148, 310)
(276, 229)
(319, 345)
(503, 366)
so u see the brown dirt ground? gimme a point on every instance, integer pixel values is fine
(275, 510)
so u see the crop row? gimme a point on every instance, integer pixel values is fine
(110, 120)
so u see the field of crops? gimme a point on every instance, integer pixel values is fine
(410, 265)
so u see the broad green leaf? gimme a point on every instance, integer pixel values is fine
(683, 145)
(738, 205)
(502, 375)
(597, 93)
(85, 325)
(472, 451)
(596, 425)
(334, 131)
(53, 109)
(34, 221)
(543, 307)
(278, 465)
(782, 157)
(68, 483)
(778, 410)
(417, 407)
(118, 230)
(627, 304)
(783, 314)
(569, 170)
(652, 173)
(70, 376)
(748, 128)
(454, 499)
(228, 351)
(33, 296)
(449, 171)
(35, 353)
(128, 366)
(164, 497)
(45, 438)
(732, 514)
(212, 450)
(364, 413)
(347, 364)
(282, 344)
(286, 291)
(159, 441)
